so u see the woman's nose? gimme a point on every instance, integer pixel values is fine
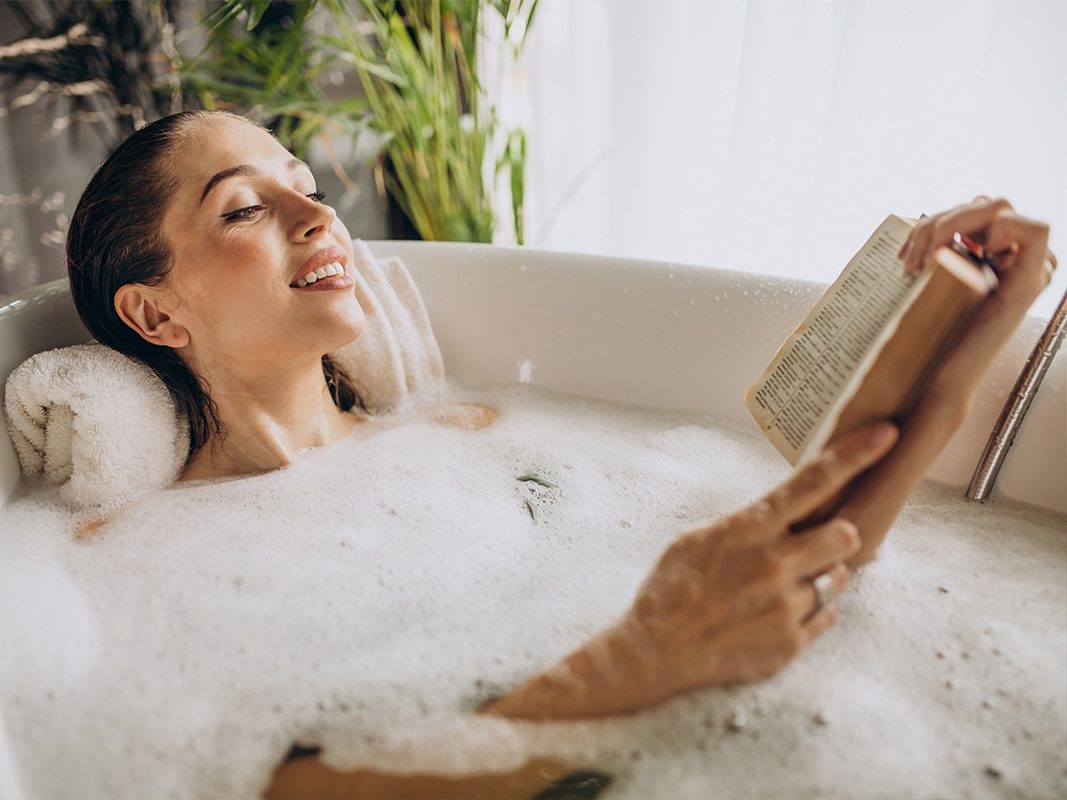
(311, 219)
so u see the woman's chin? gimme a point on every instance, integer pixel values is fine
(348, 327)
(348, 339)
(342, 325)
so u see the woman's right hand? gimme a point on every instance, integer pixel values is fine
(727, 603)
(735, 601)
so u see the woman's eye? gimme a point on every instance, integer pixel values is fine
(242, 213)
(250, 212)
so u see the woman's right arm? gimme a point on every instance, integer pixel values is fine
(727, 603)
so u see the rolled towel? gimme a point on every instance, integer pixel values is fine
(96, 423)
(396, 360)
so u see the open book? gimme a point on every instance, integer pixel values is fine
(868, 347)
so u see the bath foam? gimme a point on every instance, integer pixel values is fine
(369, 597)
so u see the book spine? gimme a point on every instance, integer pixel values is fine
(963, 321)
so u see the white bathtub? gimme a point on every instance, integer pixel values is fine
(648, 333)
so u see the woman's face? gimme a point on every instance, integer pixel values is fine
(245, 227)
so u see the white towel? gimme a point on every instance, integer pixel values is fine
(96, 423)
(103, 427)
(396, 359)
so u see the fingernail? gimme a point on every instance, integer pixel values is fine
(853, 531)
(855, 545)
(881, 433)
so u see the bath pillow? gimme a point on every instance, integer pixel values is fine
(396, 358)
(69, 410)
(69, 413)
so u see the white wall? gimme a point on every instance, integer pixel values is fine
(774, 135)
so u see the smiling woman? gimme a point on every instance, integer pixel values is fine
(203, 248)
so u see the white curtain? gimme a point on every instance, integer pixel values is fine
(774, 135)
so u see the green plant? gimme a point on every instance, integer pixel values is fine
(418, 63)
(270, 73)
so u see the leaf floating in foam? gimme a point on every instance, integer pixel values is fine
(529, 476)
(534, 478)
(576, 786)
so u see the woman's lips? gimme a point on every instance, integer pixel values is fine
(329, 284)
(324, 258)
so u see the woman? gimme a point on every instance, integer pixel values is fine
(192, 249)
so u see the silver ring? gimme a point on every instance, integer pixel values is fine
(824, 594)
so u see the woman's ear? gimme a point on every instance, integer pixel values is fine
(140, 307)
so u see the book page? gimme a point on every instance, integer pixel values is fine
(807, 374)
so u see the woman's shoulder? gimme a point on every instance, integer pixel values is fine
(469, 416)
(466, 416)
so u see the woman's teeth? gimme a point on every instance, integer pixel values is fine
(318, 274)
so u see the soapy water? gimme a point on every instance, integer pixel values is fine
(370, 597)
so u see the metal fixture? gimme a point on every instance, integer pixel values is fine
(1018, 403)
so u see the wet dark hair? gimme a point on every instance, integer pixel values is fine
(116, 238)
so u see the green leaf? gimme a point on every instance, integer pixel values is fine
(256, 10)
(381, 71)
(530, 477)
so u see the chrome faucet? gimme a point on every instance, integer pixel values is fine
(1018, 403)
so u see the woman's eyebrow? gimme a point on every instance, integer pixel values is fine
(243, 169)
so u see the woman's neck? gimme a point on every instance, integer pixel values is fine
(268, 417)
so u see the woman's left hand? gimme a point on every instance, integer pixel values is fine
(1019, 246)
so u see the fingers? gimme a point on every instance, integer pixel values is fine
(816, 550)
(817, 625)
(771, 575)
(1024, 240)
(804, 599)
(1012, 240)
(799, 601)
(936, 231)
(823, 478)
(798, 617)
(780, 632)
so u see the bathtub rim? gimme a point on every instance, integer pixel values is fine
(436, 265)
